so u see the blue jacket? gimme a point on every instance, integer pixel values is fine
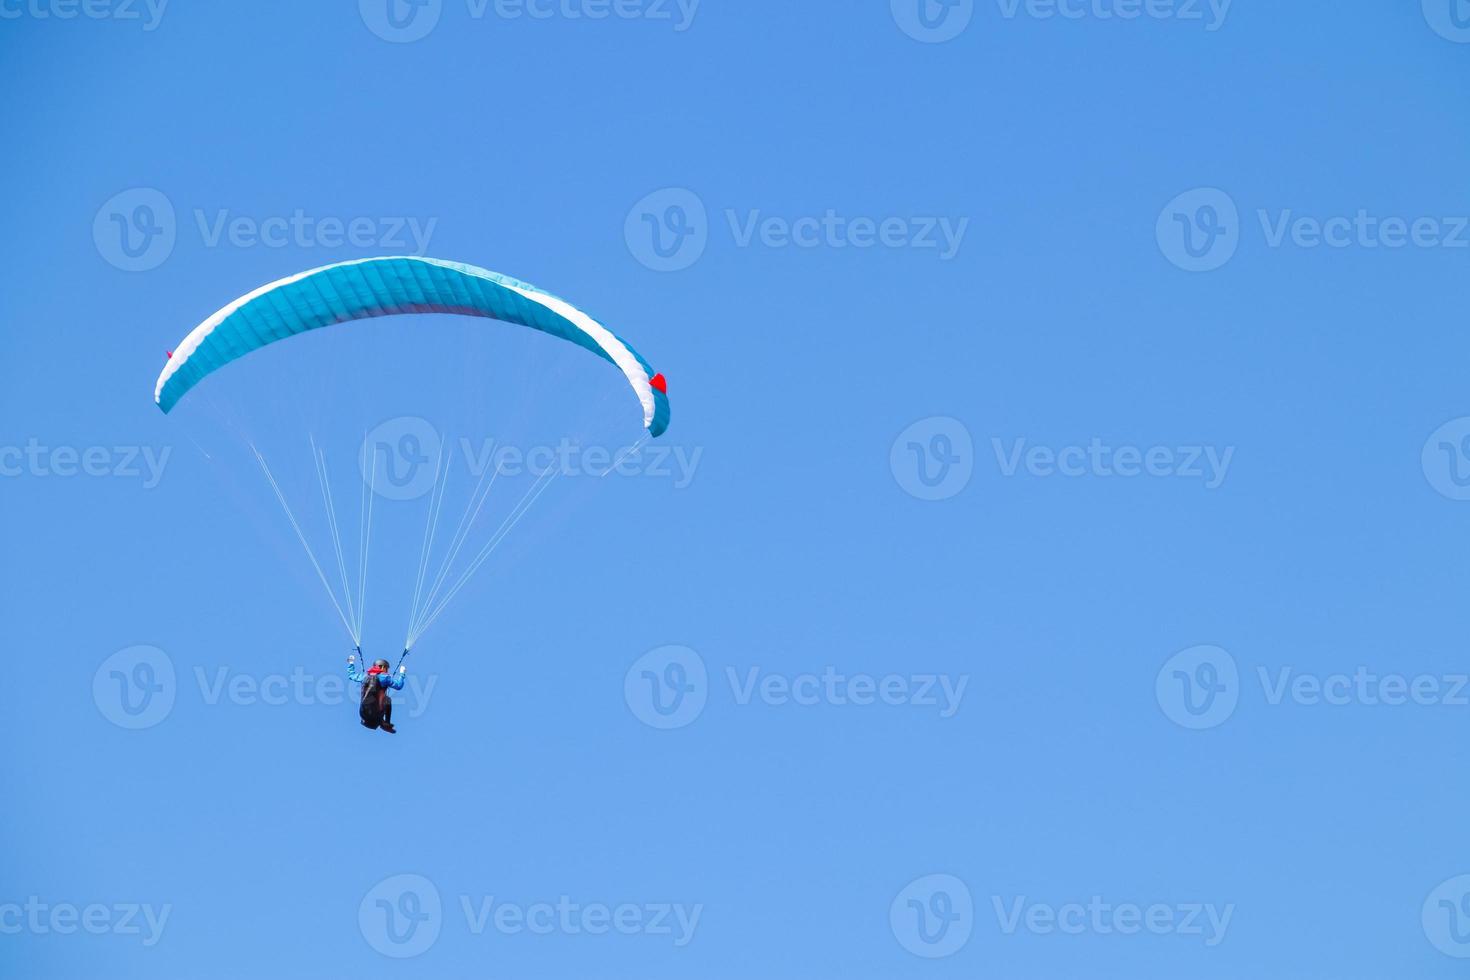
(393, 680)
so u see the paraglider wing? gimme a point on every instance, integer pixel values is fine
(384, 286)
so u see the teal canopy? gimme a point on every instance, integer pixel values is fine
(365, 288)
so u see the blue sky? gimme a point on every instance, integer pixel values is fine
(1053, 567)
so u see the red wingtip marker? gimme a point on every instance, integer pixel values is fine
(168, 354)
(657, 381)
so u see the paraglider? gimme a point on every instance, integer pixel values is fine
(343, 293)
(375, 706)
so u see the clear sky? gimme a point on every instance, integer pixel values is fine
(1056, 568)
